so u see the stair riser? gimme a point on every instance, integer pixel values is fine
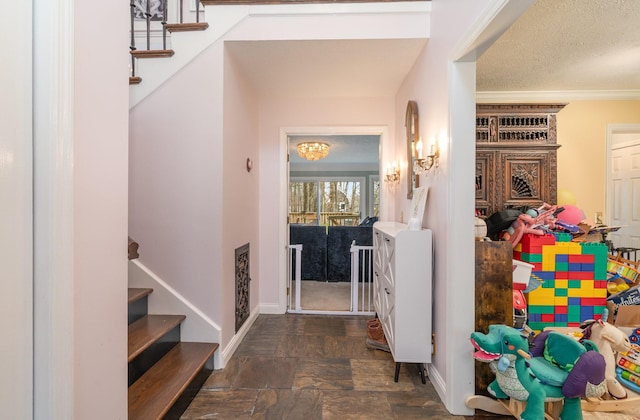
(149, 357)
(180, 406)
(138, 309)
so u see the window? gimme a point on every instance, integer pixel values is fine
(327, 201)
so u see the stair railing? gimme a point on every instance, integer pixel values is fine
(144, 8)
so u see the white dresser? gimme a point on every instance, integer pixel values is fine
(402, 291)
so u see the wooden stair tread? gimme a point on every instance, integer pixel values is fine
(147, 330)
(152, 53)
(184, 27)
(137, 293)
(151, 396)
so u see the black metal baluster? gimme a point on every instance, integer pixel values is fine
(132, 47)
(181, 12)
(197, 11)
(164, 23)
(148, 14)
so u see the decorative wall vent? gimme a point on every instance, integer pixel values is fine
(243, 277)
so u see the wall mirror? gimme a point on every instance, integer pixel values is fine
(411, 124)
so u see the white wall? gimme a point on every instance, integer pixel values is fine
(16, 300)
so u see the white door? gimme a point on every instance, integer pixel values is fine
(624, 187)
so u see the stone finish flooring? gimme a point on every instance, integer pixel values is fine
(308, 367)
(313, 367)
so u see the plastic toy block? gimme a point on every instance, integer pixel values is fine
(563, 237)
(576, 275)
(573, 248)
(543, 300)
(581, 258)
(573, 324)
(561, 293)
(537, 326)
(535, 249)
(562, 266)
(588, 267)
(561, 301)
(575, 266)
(573, 301)
(600, 284)
(534, 317)
(600, 275)
(562, 283)
(587, 275)
(531, 258)
(562, 309)
(575, 292)
(574, 318)
(586, 312)
(549, 284)
(574, 284)
(537, 266)
(518, 247)
(561, 318)
(593, 301)
(562, 275)
(540, 309)
(517, 255)
(598, 310)
(547, 317)
(562, 258)
(600, 293)
(544, 275)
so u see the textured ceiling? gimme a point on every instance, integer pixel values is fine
(566, 45)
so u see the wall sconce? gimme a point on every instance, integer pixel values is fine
(393, 173)
(425, 162)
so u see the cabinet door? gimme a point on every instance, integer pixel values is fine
(527, 180)
(486, 183)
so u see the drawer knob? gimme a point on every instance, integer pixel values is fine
(387, 291)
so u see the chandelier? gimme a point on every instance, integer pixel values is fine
(313, 150)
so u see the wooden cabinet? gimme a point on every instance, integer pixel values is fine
(493, 297)
(402, 290)
(516, 156)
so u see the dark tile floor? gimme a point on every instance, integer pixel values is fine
(313, 367)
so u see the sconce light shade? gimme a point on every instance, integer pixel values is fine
(393, 173)
(313, 150)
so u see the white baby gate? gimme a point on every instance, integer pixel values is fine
(361, 301)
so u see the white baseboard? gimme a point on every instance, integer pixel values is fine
(437, 382)
(272, 309)
(231, 348)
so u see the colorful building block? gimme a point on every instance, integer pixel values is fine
(573, 277)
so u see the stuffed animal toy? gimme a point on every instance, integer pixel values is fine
(563, 369)
(610, 340)
(535, 221)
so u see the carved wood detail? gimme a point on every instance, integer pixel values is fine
(516, 156)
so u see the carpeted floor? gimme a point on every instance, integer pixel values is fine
(331, 296)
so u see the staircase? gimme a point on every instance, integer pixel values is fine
(165, 374)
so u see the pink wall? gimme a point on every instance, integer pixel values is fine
(176, 181)
(100, 156)
(241, 202)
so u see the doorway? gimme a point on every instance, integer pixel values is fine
(329, 198)
(623, 184)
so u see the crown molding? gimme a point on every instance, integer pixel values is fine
(557, 95)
